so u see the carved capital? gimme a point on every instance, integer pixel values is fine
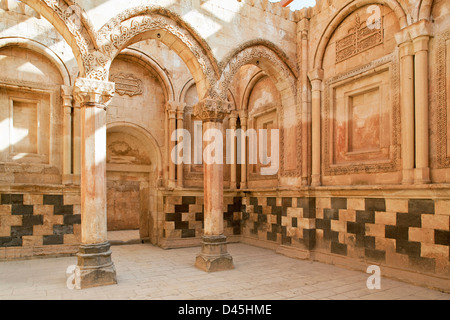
(93, 93)
(212, 109)
(316, 74)
(67, 96)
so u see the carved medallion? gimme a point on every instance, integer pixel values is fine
(127, 84)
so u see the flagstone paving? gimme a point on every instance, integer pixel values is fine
(148, 272)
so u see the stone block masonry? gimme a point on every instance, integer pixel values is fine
(38, 224)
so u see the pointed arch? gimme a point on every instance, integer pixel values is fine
(342, 14)
(149, 22)
(424, 10)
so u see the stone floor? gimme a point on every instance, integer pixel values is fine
(148, 272)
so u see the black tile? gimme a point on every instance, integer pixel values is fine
(442, 237)
(409, 220)
(369, 242)
(70, 219)
(294, 222)
(277, 211)
(338, 203)
(331, 214)
(10, 241)
(262, 218)
(286, 241)
(237, 230)
(59, 230)
(399, 233)
(271, 236)
(365, 216)
(20, 209)
(323, 224)
(308, 205)
(276, 228)
(173, 216)
(199, 216)
(180, 208)
(180, 225)
(257, 209)
(421, 206)
(408, 247)
(55, 200)
(286, 202)
(356, 228)
(228, 216)
(5, 200)
(188, 200)
(253, 201)
(375, 204)
(29, 221)
(375, 255)
(309, 238)
(334, 236)
(272, 202)
(53, 240)
(188, 233)
(339, 248)
(62, 210)
(21, 231)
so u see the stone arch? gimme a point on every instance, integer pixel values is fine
(424, 10)
(143, 135)
(340, 16)
(149, 22)
(273, 63)
(275, 66)
(150, 63)
(144, 183)
(42, 49)
(72, 23)
(247, 92)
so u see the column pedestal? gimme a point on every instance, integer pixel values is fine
(95, 266)
(214, 255)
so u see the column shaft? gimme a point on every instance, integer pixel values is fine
(422, 171)
(180, 126)
(244, 127)
(407, 106)
(67, 98)
(316, 77)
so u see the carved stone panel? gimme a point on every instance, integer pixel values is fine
(127, 84)
(361, 37)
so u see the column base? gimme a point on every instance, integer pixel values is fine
(422, 176)
(316, 180)
(214, 255)
(95, 267)
(408, 176)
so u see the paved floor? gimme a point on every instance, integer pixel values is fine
(148, 272)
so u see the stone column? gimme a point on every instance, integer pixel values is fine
(316, 77)
(214, 255)
(76, 159)
(171, 108)
(421, 39)
(95, 267)
(244, 127)
(407, 105)
(180, 125)
(67, 98)
(233, 174)
(303, 50)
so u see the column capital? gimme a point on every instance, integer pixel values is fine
(95, 93)
(315, 75)
(420, 29)
(212, 110)
(67, 96)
